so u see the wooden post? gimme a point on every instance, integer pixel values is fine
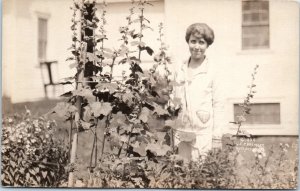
(72, 160)
(75, 135)
(84, 73)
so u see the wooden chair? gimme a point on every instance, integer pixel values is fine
(48, 65)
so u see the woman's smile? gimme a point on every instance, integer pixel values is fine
(197, 46)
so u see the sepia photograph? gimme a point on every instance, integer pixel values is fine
(150, 94)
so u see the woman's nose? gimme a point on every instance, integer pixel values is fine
(197, 46)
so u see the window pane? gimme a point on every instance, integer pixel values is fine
(42, 38)
(261, 113)
(264, 17)
(255, 17)
(246, 5)
(255, 5)
(255, 36)
(265, 5)
(255, 24)
(246, 18)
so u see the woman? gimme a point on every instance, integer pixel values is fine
(201, 97)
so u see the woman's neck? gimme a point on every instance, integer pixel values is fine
(194, 63)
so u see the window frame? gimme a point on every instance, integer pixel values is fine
(251, 24)
(41, 15)
(274, 122)
(257, 129)
(42, 38)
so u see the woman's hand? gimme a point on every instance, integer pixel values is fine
(216, 144)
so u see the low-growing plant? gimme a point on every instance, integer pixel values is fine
(272, 170)
(31, 155)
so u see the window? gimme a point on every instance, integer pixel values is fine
(255, 24)
(42, 38)
(261, 113)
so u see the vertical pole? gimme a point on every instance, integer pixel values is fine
(70, 137)
(75, 135)
(79, 85)
(84, 73)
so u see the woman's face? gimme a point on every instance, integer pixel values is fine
(197, 46)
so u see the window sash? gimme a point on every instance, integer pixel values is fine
(255, 24)
(42, 37)
(255, 36)
(261, 113)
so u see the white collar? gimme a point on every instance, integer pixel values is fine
(203, 68)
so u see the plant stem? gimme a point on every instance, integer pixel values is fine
(96, 149)
(129, 136)
(112, 67)
(238, 130)
(141, 30)
(104, 136)
(80, 77)
(92, 153)
(73, 157)
(120, 150)
(247, 100)
(70, 135)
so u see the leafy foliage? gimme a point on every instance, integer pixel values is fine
(220, 169)
(246, 105)
(137, 150)
(124, 105)
(31, 156)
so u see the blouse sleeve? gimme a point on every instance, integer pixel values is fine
(179, 80)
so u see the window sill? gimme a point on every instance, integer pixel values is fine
(123, 1)
(258, 126)
(265, 129)
(255, 52)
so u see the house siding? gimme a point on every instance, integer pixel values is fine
(277, 78)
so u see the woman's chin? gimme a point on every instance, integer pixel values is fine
(197, 57)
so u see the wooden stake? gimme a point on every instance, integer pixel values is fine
(72, 160)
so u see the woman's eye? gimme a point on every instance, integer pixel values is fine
(202, 42)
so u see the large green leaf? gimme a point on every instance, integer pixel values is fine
(63, 109)
(44, 174)
(170, 123)
(128, 98)
(85, 125)
(123, 138)
(118, 119)
(144, 114)
(159, 110)
(160, 137)
(87, 113)
(139, 148)
(110, 86)
(176, 101)
(99, 108)
(159, 150)
(84, 92)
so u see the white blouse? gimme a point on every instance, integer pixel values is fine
(202, 98)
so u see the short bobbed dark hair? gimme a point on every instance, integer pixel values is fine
(200, 30)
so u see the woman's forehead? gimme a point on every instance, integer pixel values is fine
(196, 35)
